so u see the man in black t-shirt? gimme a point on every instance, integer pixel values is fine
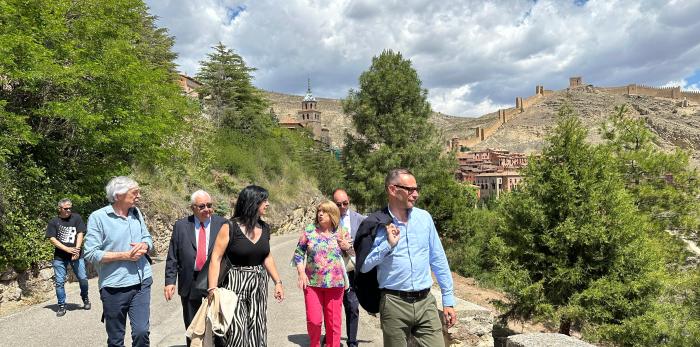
(66, 233)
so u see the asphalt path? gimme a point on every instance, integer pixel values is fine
(38, 325)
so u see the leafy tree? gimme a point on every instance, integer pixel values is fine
(570, 247)
(87, 89)
(390, 113)
(229, 95)
(663, 184)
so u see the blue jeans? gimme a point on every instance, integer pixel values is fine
(133, 301)
(60, 270)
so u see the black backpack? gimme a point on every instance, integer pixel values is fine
(366, 285)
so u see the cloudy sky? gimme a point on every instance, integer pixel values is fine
(473, 56)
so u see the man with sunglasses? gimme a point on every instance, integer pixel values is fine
(405, 249)
(351, 221)
(190, 246)
(66, 232)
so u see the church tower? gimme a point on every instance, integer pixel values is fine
(309, 115)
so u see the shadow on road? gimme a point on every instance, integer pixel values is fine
(299, 339)
(69, 307)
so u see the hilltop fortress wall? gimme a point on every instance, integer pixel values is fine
(657, 92)
(479, 134)
(502, 116)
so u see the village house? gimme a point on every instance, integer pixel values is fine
(491, 171)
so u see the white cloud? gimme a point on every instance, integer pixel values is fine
(684, 84)
(471, 55)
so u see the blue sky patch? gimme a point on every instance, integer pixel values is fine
(233, 12)
(580, 2)
(694, 78)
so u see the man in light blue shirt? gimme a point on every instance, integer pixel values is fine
(117, 242)
(405, 252)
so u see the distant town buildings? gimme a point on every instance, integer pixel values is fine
(189, 85)
(491, 171)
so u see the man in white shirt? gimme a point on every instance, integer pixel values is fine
(349, 220)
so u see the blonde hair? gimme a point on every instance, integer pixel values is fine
(332, 210)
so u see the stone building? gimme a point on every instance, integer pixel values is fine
(492, 184)
(575, 81)
(189, 85)
(491, 171)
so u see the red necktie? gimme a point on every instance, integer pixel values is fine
(201, 248)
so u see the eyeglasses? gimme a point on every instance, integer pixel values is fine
(203, 206)
(67, 208)
(341, 204)
(408, 190)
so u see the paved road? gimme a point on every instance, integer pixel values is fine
(39, 326)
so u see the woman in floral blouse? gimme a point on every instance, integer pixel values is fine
(322, 278)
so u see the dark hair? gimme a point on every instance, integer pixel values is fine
(246, 210)
(393, 175)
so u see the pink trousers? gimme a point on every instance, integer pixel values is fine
(326, 303)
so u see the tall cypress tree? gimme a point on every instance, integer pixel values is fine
(390, 113)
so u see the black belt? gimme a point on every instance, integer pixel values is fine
(409, 296)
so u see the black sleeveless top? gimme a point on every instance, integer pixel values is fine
(241, 251)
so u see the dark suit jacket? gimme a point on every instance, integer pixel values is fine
(183, 251)
(366, 285)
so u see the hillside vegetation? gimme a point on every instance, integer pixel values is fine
(88, 91)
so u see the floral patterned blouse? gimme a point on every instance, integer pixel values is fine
(324, 265)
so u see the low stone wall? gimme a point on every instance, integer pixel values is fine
(545, 340)
(474, 324)
(14, 285)
(37, 281)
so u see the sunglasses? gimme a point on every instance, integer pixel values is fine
(408, 190)
(341, 204)
(203, 206)
(67, 208)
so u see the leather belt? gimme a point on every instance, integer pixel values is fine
(410, 297)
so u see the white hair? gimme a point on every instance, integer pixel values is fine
(200, 192)
(119, 185)
(64, 201)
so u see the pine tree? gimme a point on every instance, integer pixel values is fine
(229, 95)
(663, 184)
(570, 247)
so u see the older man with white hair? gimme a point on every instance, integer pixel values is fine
(117, 242)
(190, 246)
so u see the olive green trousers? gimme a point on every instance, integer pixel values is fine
(400, 319)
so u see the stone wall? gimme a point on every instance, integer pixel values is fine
(658, 92)
(545, 340)
(691, 96)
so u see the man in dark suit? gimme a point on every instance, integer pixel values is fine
(190, 247)
(349, 220)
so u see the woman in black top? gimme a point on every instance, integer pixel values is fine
(246, 243)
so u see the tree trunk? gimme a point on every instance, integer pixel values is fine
(565, 327)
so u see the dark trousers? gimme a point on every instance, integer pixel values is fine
(352, 311)
(134, 301)
(190, 307)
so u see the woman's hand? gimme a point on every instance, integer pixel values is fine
(210, 294)
(279, 292)
(303, 281)
(344, 244)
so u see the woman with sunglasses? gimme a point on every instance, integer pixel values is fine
(246, 243)
(319, 262)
